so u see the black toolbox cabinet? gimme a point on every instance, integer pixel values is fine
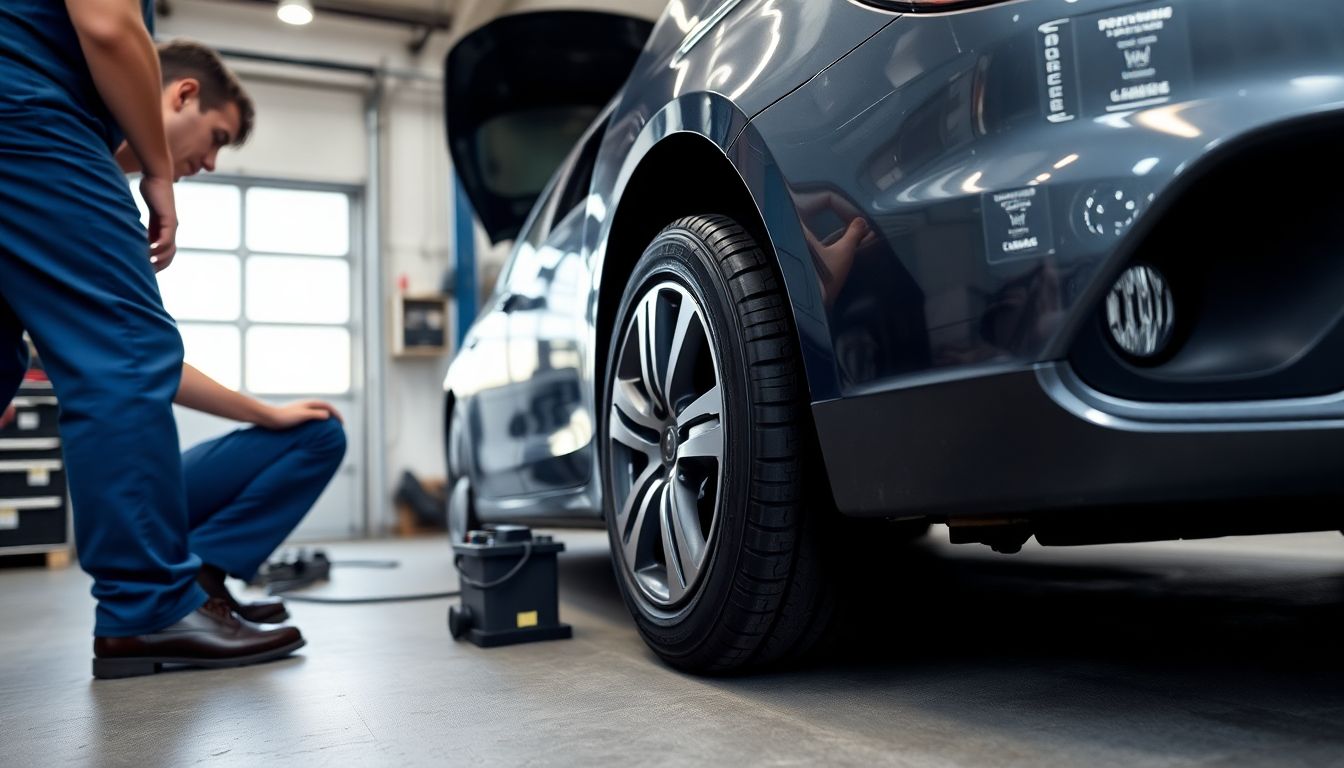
(34, 506)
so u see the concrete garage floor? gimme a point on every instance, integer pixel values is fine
(1202, 653)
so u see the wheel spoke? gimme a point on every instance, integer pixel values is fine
(684, 520)
(634, 441)
(677, 579)
(703, 408)
(681, 352)
(631, 439)
(704, 443)
(639, 489)
(645, 528)
(647, 330)
(627, 400)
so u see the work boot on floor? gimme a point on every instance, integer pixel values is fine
(269, 611)
(212, 636)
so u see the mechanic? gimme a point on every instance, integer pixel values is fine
(248, 490)
(78, 275)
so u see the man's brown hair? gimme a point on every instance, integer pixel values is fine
(182, 59)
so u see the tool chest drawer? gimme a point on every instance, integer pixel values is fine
(36, 415)
(28, 448)
(34, 506)
(28, 478)
(32, 521)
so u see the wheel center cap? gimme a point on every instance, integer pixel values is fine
(669, 445)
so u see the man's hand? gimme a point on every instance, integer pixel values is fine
(294, 414)
(835, 252)
(838, 256)
(158, 194)
(7, 417)
(125, 66)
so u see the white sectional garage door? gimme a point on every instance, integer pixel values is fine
(265, 290)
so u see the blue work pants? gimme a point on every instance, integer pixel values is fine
(75, 274)
(247, 490)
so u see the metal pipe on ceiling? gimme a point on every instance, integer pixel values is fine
(329, 65)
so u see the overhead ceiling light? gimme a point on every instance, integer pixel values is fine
(296, 12)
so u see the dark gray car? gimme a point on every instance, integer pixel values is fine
(1062, 268)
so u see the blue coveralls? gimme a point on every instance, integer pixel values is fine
(247, 490)
(75, 273)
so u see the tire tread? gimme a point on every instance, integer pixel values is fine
(778, 602)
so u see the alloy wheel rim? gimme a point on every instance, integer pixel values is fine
(666, 445)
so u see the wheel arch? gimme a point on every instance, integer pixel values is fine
(694, 163)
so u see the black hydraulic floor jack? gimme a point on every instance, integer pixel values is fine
(509, 588)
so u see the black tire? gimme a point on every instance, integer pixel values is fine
(762, 595)
(461, 497)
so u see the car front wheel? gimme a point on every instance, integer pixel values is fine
(703, 421)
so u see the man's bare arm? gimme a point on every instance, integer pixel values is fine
(202, 393)
(126, 159)
(125, 68)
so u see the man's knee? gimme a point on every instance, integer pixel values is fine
(326, 438)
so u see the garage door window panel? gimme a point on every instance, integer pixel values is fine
(298, 221)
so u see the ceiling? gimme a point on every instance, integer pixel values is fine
(456, 17)
(431, 15)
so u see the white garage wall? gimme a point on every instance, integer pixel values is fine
(311, 127)
(302, 133)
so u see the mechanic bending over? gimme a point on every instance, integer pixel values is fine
(77, 276)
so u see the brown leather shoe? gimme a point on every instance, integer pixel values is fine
(269, 611)
(213, 636)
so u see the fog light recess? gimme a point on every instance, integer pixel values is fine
(1140, 312)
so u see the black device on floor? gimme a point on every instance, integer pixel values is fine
(509, 589)
(294, 569)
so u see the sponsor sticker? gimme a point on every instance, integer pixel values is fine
(1058, 71)
(1114, 61)
(27, 421)
(1017, 224)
